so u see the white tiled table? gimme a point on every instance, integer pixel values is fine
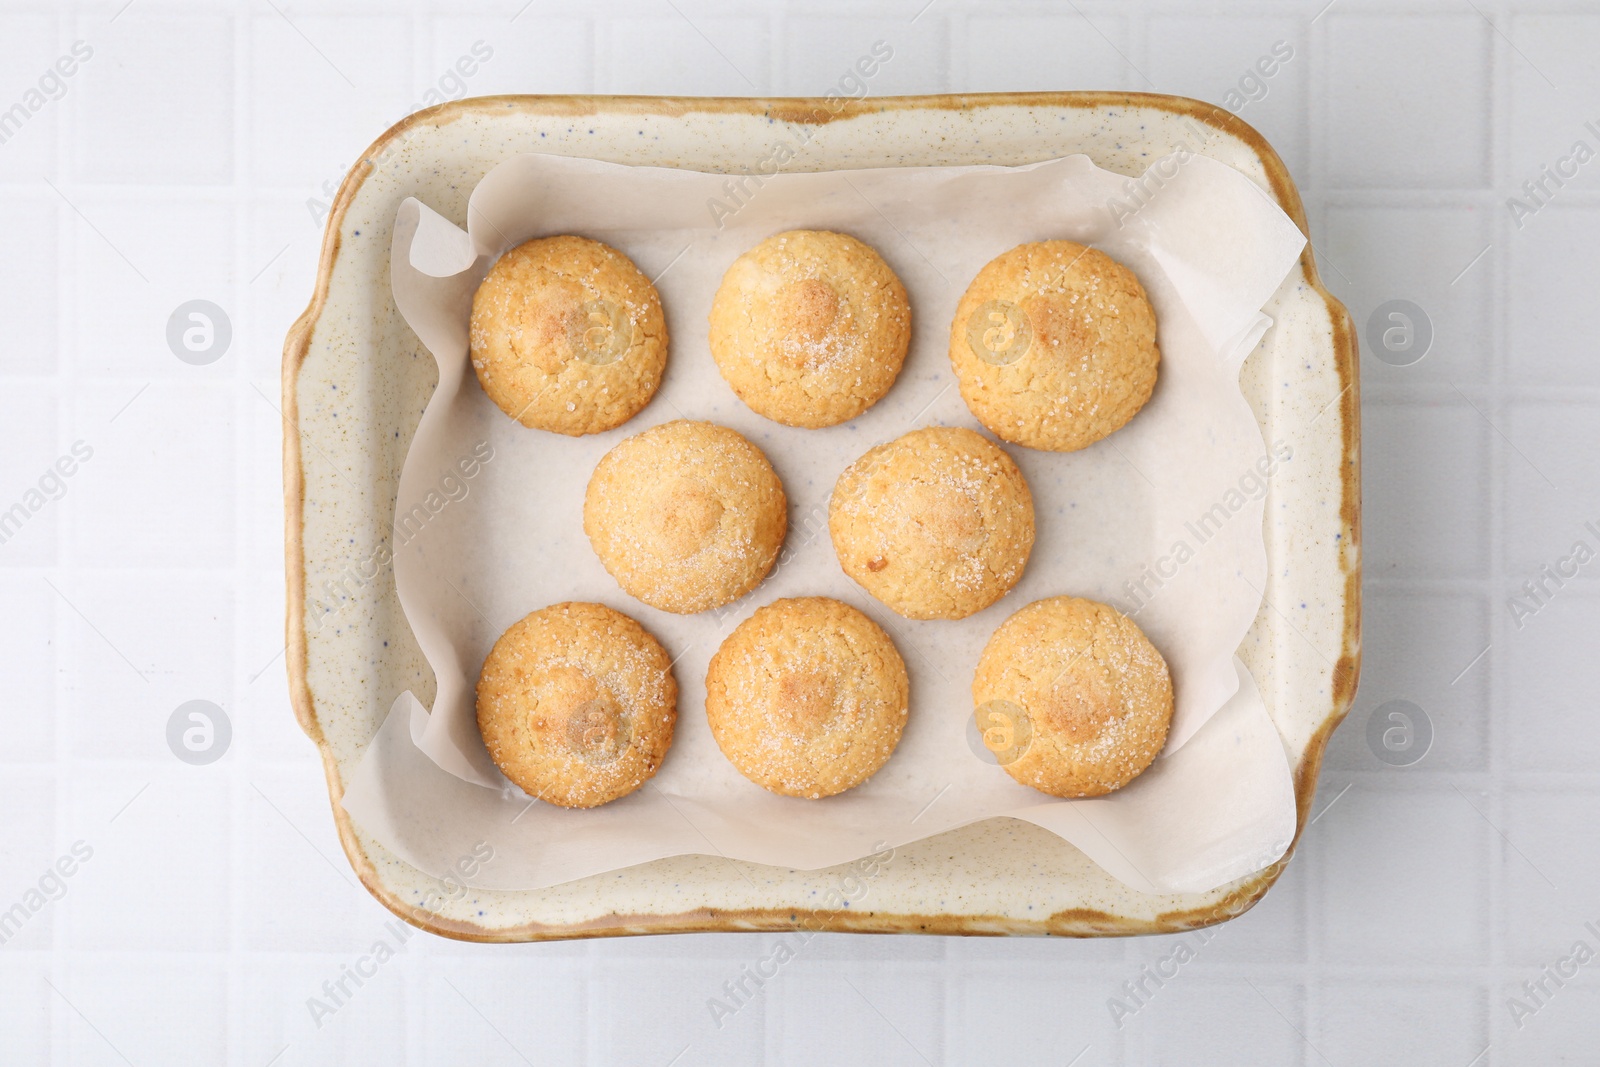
(178, 165)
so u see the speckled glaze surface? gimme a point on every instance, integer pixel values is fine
(355, 382)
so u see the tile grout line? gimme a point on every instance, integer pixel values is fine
(61, 556)
(1494, 682)
(244, 536)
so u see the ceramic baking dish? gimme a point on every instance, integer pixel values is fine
(355, 381)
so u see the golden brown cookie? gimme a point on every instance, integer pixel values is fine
(568, 336)
(810, 327)
(1077, 697)
(686, 516)
(576, 704)
(937, 524)
(807, 697)
(1054, 346)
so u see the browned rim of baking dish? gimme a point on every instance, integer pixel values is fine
(1077, 922)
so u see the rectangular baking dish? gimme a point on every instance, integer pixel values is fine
(355, 381)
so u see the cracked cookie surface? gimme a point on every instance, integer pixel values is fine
(686, 516)
(810, 328)
(567, 335)
(1095, 694)
(576, 704)
(807, 698)
(1054, 346)
(937, 524)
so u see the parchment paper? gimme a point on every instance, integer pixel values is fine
(1162, 519)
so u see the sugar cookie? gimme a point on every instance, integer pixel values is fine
(576, 703)
(686, 516)
(937, 524)
(568, 336)
(807, 697)
(1086, 687)
(810, 328)
(1054, 346)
